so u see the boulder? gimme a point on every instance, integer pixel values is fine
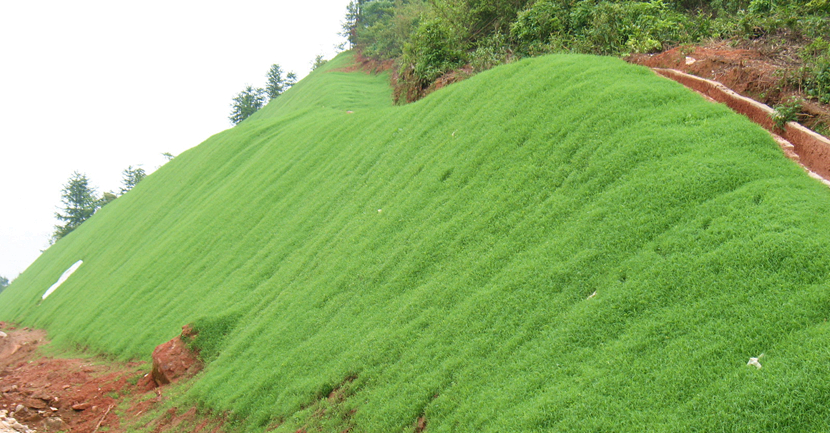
(174, 360)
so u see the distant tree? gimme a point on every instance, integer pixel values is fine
(106, 198)
(4, 282)
(353, 15)
(79, 202)
(277, 84)
(318, 61)
(168, 155)
(131, 177)
(290, 80)
(246, 103)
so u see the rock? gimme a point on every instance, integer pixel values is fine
(81, 406)
(34, 403)
(18, 427)
(19, 408)
(54, 423)
(3, 334)
(173, 360)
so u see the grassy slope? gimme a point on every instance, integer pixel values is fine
(443, 253)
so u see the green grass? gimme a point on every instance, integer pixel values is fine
(437, 259)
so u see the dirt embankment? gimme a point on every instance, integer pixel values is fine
(82, 395)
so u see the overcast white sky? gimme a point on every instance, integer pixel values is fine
(96, 86)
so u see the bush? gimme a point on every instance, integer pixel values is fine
(432, 51)
(816, 70)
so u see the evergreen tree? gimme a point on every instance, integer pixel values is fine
(106, 198)
(276, 83)
(246, 103)
(4, 282)
(131, 177)
(318, 61)
(79, 203)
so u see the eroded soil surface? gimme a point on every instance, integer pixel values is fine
(80, 395)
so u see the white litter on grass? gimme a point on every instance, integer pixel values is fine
(63, 278)
(592, 295)
(754, 361)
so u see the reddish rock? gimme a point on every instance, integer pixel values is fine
(81, 406)
(34, 403)
(174, 360)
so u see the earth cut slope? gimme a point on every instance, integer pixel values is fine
(567, 243)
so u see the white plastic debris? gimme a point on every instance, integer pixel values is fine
(592, 295)
(755, 361)
(63, 278)
(690, 60)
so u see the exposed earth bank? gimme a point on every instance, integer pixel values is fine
(42, 393)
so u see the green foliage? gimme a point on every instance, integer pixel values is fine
(277, 84)
(432, 52)
(318, 61)
(439, 258)
(387, 26)
(544, 20)
(79, 204)
(106, 198)
(246, 103)
(4, 282)
(422, 35)
(816, 71)
(786, 112)
(130, 177)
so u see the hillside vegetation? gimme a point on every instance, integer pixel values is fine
(436, 41)
(566, 243)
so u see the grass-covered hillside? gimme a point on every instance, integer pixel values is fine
(566, 243)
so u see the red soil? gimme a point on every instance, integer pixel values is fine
(79, 395)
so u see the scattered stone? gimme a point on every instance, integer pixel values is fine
(54, 423)
(66, 387)
(34, 403)
(19, 408)
(19, 427)
(81, 406)
(3, 334)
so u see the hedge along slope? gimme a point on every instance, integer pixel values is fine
(438, 260)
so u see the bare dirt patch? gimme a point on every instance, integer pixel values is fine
(80, 395)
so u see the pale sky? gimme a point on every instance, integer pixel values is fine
(96, 86)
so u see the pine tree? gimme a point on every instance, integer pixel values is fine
(131, 178)
(79, 202)
(277, 85)
(246, 103)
